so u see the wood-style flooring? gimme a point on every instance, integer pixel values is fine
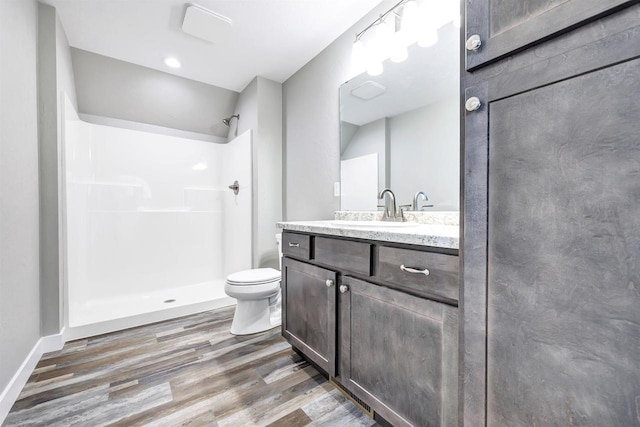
(186, 371)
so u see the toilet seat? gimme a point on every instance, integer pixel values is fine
(256, 276)
(253, 292)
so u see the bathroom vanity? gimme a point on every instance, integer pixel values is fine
(376, 308)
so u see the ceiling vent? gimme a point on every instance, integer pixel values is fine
(206, 24)
(368, 90)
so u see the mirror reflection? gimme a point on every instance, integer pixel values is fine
(401, 129)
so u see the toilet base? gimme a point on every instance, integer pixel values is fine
(254, 316)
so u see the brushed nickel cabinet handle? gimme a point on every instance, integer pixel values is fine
(294, 245)
(344, 289)
(473, 43)
(414, 270)
(329, 283)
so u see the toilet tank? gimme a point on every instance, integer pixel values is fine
(279, 240)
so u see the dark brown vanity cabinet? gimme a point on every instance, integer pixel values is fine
(399, 353)
(551, 277)
(391, 336)
(309, 311)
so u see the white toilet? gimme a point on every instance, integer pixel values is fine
(258, 295)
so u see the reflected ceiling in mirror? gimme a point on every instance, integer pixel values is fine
(401, 129)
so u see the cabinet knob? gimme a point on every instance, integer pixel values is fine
(472, 104)
(473, 43)
(329, 283)
(343, 289)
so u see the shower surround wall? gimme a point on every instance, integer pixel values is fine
(150, 219)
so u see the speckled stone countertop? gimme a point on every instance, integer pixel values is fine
(421, 217)
(434, 235)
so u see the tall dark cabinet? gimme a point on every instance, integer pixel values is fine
(550, 300)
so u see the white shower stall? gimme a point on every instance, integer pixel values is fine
(151, 227)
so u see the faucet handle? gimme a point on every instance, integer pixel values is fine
(401, 210)
(385, 212)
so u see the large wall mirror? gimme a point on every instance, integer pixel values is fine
(401, 129)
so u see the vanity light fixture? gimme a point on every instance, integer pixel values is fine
(396, 29)
(371, 57)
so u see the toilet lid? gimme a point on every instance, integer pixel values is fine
(256, 276)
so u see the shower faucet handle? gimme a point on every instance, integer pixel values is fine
(235, 187)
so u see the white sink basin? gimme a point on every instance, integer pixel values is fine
(374, 224)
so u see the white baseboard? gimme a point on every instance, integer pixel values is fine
(13, 389)
(53, 342)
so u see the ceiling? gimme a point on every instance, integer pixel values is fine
(270, 38)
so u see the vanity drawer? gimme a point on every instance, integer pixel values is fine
(344, 254)
(442, 280)
(296, 245)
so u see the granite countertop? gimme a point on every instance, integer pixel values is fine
(421, 217)
(434, 235)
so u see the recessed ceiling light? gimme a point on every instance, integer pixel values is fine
(172, 62)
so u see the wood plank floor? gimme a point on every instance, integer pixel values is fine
(187, 371)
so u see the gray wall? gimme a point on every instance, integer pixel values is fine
(311, 123)
(433, 164)
(368, 139)
(121, 90)
(269, 170)
(55, 78)
(19, 228)
(260, 109)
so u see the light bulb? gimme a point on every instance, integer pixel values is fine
(358, 58)
(410, 21)
(398, 47)
(430, 15)
(428, 35)
(381, 46)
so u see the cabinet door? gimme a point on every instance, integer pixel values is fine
(551, 291)
(309, 311)
(508, 26)
(399, 354)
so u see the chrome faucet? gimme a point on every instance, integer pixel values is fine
(416, 199)
(391, 213)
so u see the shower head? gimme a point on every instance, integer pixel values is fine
(227, 121)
